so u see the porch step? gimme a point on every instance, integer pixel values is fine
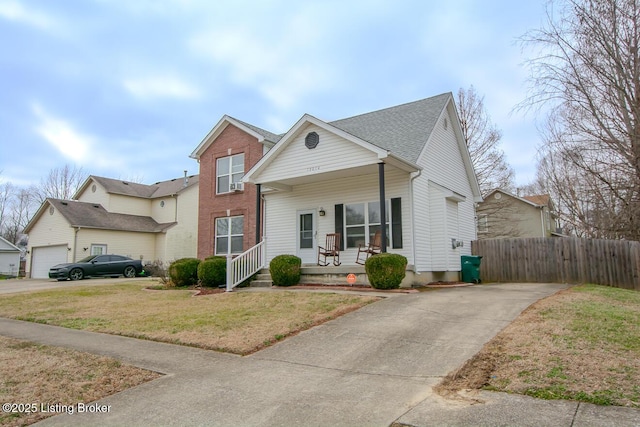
(262, 280)
(332, 275)
(315, 275)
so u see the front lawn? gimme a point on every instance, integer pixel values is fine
(580, 344)
(237, 322)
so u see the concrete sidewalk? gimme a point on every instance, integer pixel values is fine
(371, 367)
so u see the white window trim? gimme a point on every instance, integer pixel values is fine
(96, 246)
(229, 235)
(366, 224)
(482, 218)
(231, 173)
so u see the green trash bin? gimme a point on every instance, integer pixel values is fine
(471, 268)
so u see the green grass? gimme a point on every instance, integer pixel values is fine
(583, 344)
(610, 317)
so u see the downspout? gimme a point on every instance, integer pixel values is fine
(75, 243)
(544, 234)
(413, 220)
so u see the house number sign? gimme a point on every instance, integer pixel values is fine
(313, 168)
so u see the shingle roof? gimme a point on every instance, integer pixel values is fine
(269, 136)
(538, 199)
(403, 129)
(173, 186)
(159, 189)
(92, 215)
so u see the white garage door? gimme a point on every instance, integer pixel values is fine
(44, 258)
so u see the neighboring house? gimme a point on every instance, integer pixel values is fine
(150, 222)
(325, 177)
(227, 207)
(504, 215)
(9, 258)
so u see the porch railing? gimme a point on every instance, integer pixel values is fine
(245, 265)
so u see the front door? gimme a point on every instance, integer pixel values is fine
(307, 249)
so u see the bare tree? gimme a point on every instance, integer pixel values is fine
(587, 73)
(61, 183)
(6, 193)
(22, 208)
(483, 142)
(499, 217)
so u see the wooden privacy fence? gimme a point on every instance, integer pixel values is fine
(562, 260)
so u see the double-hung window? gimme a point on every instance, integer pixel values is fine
(483, 225)
(362, 220)
(229, 172)
(229, 235)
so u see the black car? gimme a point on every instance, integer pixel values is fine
(97, 265)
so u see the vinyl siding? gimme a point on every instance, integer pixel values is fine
(100, 196)
(129, 205)
(50, 230)
(422, 222)
(510, 217)
(443, 165)
(437, 224)
(332, 153)
(281, 208)
(134, 245)
(166, 213)
(182, 239)
(453, 232)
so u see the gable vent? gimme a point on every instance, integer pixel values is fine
(311, 141)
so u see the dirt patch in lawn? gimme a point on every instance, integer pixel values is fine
(37, 377)
(580, 344)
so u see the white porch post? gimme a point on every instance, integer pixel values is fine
(229, 273)
(258, 214)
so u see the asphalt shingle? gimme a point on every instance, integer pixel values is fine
(93, 215)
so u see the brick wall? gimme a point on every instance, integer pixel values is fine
(211, 205)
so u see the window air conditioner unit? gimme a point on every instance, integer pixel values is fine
(236, 186)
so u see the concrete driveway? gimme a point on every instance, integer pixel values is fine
(371, 367)
(25, 285)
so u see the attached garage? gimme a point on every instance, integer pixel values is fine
(45, 257)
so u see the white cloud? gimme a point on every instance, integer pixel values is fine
(284, 65)
(62, 135)
(15, 11)
(160, 87)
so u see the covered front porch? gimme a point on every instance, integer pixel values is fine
(356, 207)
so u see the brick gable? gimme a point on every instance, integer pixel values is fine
(231, 141)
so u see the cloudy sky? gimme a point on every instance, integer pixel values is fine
(128, 88)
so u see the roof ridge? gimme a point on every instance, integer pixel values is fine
(381, 110)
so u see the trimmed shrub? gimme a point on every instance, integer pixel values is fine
(213, 271)
(184, 271)
(386, 271)
(285, 270)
